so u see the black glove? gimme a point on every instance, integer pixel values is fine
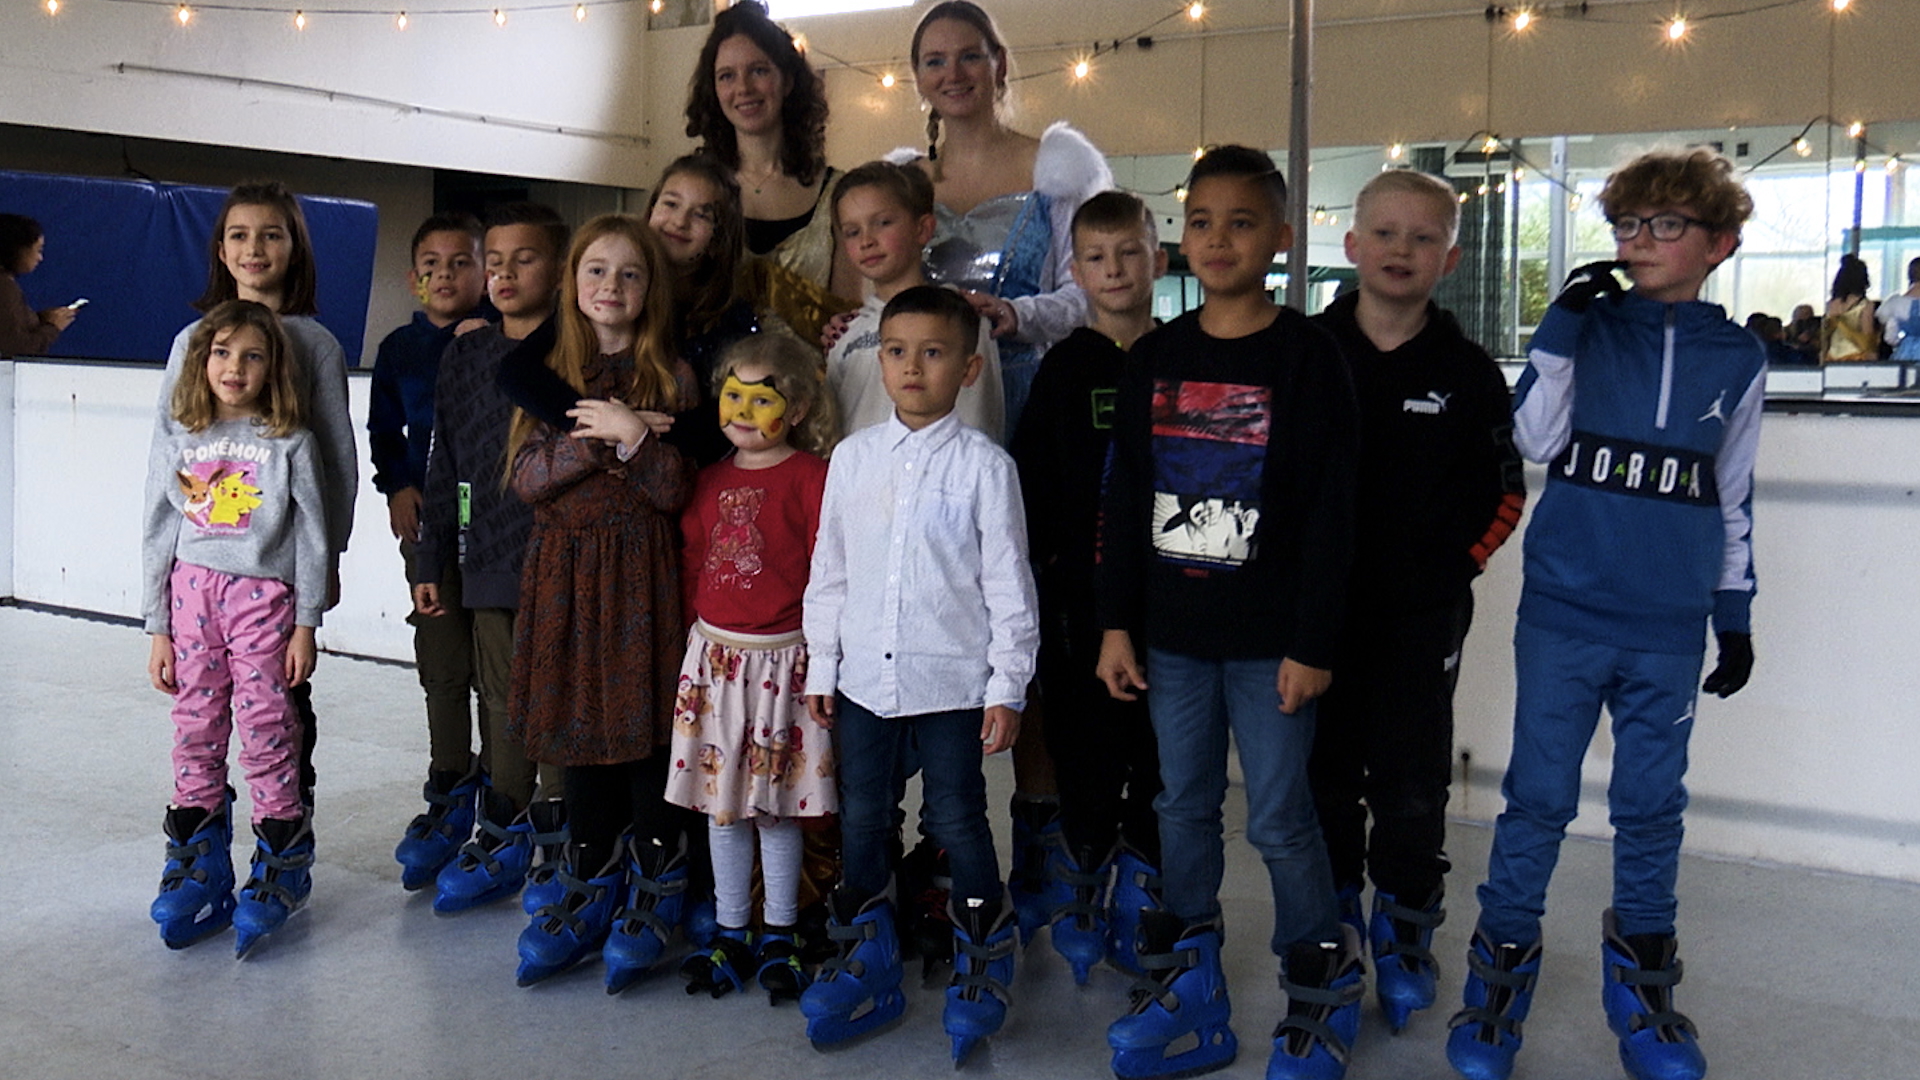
(1589, 282)
(1735, 666)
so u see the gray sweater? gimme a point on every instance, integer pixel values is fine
(231, 499)
(322, 382)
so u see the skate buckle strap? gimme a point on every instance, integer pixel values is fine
(1512, 983)
(1324, 999)
(1660, 1016)
(267, 884)
(477, 853)
(849, 939)
(1419, 918)
(1148, 989)
(642, 908)
(981, 957)
(435, 819)
(564, 914)
(183, 862)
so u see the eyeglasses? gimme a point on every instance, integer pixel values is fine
(1663, 226)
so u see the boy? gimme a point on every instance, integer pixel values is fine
(473, 532)
(447, 284)
(920, 631)
(1102, 748)
(1227, 519)
(1439, 491)
(1646, 407)
(883, 214)
(1900, 316)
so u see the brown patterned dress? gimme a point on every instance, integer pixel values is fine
(599, 638)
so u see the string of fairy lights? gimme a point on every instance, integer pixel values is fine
(1675, 28)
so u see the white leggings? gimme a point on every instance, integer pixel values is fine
(780, 851)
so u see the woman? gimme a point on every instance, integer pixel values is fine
(1849, 331)
(760, 109)
(1005, 199)
(24, 331)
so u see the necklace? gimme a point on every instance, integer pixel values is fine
(765, 177)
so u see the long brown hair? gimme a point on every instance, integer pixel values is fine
(652, 385)
(298, 288)
(279, 411)
(803, 112)
(709, 288)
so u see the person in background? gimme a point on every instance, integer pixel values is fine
(1900, 315)
(24, 331)
(1849, 332)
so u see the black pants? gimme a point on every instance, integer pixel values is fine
(604, 801)
(1104, 755)
(1385, 747)
(302, 698)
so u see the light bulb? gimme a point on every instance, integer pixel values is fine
(299, 20)
(1677, 29)
(1893, 164)
(1841, 5)
(53, 7)
(1802, 147)
(1196, 11)
(1519, 173)
(1856, 129)
(184, 14)
(1180, 193)
(1463, 198)
(1319, 215)
(1482, 189)
(579, 13)
(888, 80)
(400, 21)
(1396, 151)
(1522, 19)
(499, 17)
(1199, 152)
(656, 6)
(1081, 69)
(1491, 144)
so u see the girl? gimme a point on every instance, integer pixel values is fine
(260, 252)
(24, 331)
(597, 644)
(235, 553)
(745, 751)
(1849, 331)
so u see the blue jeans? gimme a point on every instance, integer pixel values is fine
(1560, 684)
(873, 752)
(1194, 704)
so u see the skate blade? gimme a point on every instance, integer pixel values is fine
(830, 1033)
(182, 934)
(964, 1047)
(454, 905)
(1217, 1050)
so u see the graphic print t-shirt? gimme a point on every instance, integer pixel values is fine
(1209, 458)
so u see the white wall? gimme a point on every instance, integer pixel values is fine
(1816, 763)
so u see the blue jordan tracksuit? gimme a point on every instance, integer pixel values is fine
(1647, 416)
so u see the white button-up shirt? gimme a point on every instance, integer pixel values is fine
(921, 599)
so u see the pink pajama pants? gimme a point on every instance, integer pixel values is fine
(230, 639)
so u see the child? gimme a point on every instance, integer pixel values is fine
(745, 751)
(920, 630)
(447, 283)
(235, 554)
(1646, 407)
(1102, 747)
(467, 563)
(1439, 491)
(1237, 420)
(883, 214)
(260, 252)
(1900, 316)
(24, 331)
(597, 644)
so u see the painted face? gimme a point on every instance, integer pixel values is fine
(237, 371)
(1400, 245)
(1672, 271)
(522, 269)
(1232, 234)
(612, 288)
(753, 404)
(447, 279)
(684, 217)
(750, 86)
(957, 72)
(880, 237)
(256, 247)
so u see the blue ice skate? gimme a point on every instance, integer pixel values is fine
(492, 866)
(1404, 970)
(1323, 984)
(1182, 997)
(858, 991)
(782, 973)
(1036, 893)
(728, 965)
(568, 931)
(1486, 1033)
(196, 888)
(651, 905)
(1657, 1042)
(433, 838)
(1079, 925)
(1136, 888)
(978, 996)
(549, 839)
(278, 885)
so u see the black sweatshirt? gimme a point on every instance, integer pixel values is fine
(1227, 520)
(1061, 449)
(1440, 482)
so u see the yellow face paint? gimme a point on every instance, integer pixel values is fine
(756, 403)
